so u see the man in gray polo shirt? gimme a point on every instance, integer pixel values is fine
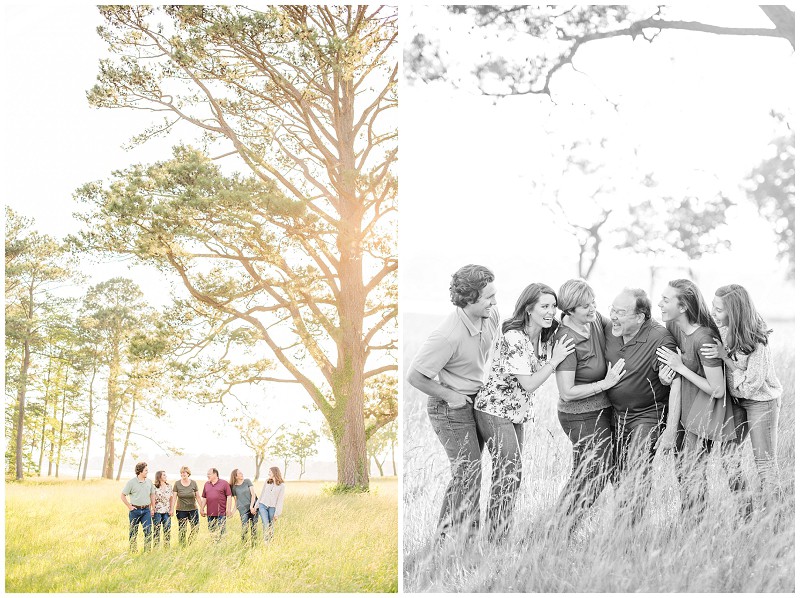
(141, 505)
(456, 354)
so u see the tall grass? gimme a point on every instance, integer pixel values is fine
(708, 550)
(73, 537)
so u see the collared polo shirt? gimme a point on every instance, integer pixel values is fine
(457, 351)
(589, 364)
(639, 390)
(216, 496)
(139, 491)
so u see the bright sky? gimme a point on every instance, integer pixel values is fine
(54, 142)
(696, 105)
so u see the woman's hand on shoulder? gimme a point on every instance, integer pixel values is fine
(614, 373)
(714, 350)
(562, 348)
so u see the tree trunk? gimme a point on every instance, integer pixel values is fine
(379, 464)
(394, 464)
(44, 416)
(259, 461)
(91, 421)
(51, 457)
(111, 416)
(80, 460)
(21, 392)
(127, 438)
(61, 428)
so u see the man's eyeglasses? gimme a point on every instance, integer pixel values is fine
(620, 313)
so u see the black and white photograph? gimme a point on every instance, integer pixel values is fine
(597, 298)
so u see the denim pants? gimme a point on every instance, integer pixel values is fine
(248, 521)
(592, 457)
(762, 421)
(458, 434)
(135, 517)
(504, 443)
(191, 518)
(161, 520)
(267, 515)
(216, 525)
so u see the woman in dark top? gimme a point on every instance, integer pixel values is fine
(244, 495)
(691, 421)
(185, 503)
(584, 411)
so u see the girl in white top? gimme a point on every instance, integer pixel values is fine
(751, 375)
(270, 503)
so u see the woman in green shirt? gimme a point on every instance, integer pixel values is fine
(185, 503)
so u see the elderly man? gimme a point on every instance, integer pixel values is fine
(639, 399)
(216, 503)
(141, 505)
(456, 354)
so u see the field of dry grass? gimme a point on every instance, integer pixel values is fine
(667, 551)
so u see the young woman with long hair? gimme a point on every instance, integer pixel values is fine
(244, 496)
(270, 503)
(704, 413)
(162, 518)
(751, 375)
(523, 356)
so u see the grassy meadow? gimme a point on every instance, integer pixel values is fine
(69, 536)
(712, 551)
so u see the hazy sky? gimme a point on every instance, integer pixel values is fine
(696, 107)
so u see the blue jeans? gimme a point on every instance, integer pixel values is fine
(592, 457)
(504, 443)
(458, 433)
(267, 515)
(185, 518)
(161, 520)
(248, 521)
(762, 422)
(135, 517)
(216, 525)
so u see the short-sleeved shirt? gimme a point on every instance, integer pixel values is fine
(690, 345)
(216, 496)
(639, 392)
(242, 494)
(139, 491)
(163, 496)
(457, 350)
(503, 395)
(186, 496)
(588, 361)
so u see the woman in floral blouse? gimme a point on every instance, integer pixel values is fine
(524, 355)
(750, 374)
(161, 518)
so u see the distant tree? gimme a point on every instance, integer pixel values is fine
(256, 437)
(670, 230)
(303, 444)
(302, 251)
(114, 311)
(383, 440)
(35, 265)
(282, 449)
(771, 187)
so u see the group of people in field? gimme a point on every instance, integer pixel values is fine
(628, 387)
(153, 504)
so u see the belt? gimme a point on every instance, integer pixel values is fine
(142, 507)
